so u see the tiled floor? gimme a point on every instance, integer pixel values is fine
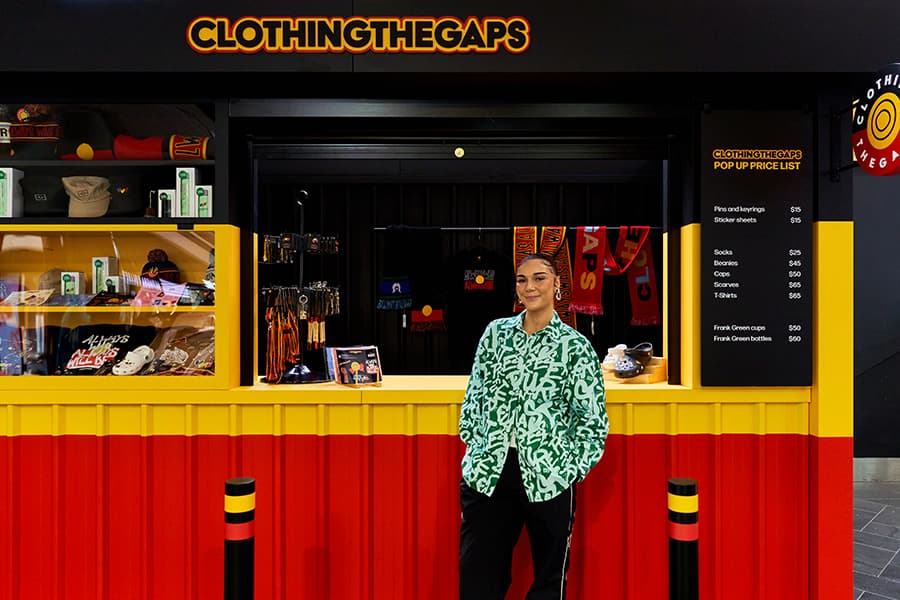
(876, 541)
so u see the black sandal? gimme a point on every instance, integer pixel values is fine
(628, 367)
(642, 353)
(634, 361)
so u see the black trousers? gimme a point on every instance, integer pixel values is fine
(491, 525)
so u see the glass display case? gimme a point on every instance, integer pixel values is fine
(128, 302)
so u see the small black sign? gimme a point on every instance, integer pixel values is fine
(756, 189)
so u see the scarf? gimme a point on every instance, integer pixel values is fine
(642, 288)
(628, 244)
(633, 255)
(587, 291)
(524, 243)
(554, 245)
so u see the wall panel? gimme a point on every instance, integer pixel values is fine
(377, 517)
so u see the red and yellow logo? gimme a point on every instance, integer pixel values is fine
(876, 124)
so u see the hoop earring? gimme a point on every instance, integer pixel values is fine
(558, 294)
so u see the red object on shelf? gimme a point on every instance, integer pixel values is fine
(174, 147)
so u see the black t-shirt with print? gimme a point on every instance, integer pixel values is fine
(481, 289)
(95, 349)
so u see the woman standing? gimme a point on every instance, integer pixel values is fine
(534, 423)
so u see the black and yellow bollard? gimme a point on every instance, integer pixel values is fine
(240, 512)
(683, 537)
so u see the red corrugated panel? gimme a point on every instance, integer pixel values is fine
(126, 527)
(831, 516)
(377, 517)
(785, 549)
(35, 502)
(9, 526)
(79, 515)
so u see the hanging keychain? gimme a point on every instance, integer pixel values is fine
(303, 306)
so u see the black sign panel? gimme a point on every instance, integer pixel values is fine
(640, 38)
(756, 186)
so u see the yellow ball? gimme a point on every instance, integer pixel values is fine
(84, 152)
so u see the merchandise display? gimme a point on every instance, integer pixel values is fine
(88, 195)
(38, 349)
(5, 146)
(48, 140)
(295, 302)
(26, 351)
(427, 283)
(634, 360)
(355, 365)
(424, 288)
(174, 147)
(134, 361)
(633, 256)
(159, 268)
(182, 351)
(10, 350)
(137, 313)
(6, 287)
(11, 197)
(96, 349)
(107, 350)
(480, 282)
(34, 132)
(590, 258)
(289, 312)
(45, 196)
(394, 291)
(125, 195)
(553, 243)
(28, 297)
(613, 356)
(86, 135)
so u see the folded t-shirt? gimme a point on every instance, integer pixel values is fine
(95, 349)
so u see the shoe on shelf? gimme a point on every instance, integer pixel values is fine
(642, 353)
(613, 355)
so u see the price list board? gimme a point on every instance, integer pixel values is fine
(756, 196)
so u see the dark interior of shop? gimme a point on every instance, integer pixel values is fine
(461, 208)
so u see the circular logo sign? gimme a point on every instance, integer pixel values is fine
(876, 124)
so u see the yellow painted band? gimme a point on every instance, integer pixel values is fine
(688, 412)
(240, 504)
(683, 504)
(690, 305)
(831, 407)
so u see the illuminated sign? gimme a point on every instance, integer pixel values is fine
(876, 124)
(357, 35)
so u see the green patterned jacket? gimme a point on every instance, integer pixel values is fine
(549, 387)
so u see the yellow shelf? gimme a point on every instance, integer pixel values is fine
(150, 227)
(105, 309)
(62, 389)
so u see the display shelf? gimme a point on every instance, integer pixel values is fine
(102, 164)
(204, 338)
(107, 222)
(105, 309)
(138, 147)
